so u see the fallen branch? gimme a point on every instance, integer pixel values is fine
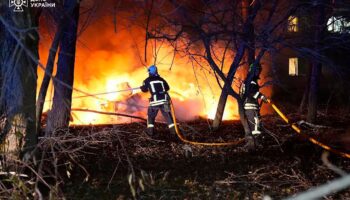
(314, 126)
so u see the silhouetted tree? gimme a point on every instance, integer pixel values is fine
(18, 38)
(318, 45)
(319, 26)
(247, 44)
(59, 116)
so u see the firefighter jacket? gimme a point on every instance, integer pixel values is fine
(158, 88)
(251, 93)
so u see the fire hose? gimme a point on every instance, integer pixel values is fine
(279, 112)
(311, 139)
(183, 139)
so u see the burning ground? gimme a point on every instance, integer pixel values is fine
(100, 160)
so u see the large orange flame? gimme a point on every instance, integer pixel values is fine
(107, 61)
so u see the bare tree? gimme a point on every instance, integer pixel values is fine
(18, 36)
(246, 44)
(319, 26)
(206, 28)
(59, 116)
(317, 46)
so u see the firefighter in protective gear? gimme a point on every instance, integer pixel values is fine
(249, 92)
(159, 100)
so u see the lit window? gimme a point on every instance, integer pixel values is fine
(293, 66)
(338, 24)
(293, 24)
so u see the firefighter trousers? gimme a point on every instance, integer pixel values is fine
(253, 117)
(152, 114)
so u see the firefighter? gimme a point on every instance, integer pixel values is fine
(250, 93)
(159, 100)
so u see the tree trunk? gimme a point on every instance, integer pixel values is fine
(224, 93)
(250, 50)
(243, 118)
(18, 81)
(305, 98)
(46, 80)
(320, 23)
(58, 117)
(313, 92)
(221, 108)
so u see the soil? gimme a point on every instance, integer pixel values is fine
(166, 168)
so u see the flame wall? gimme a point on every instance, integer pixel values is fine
(107, 61)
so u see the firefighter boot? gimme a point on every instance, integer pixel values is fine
(172, 131)
(250, 143)
(150, 131)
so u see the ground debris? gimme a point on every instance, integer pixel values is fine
(165, 168)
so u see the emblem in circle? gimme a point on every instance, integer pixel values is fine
(18, 5)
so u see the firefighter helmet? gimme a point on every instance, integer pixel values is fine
(152, 70)
(255, 69)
